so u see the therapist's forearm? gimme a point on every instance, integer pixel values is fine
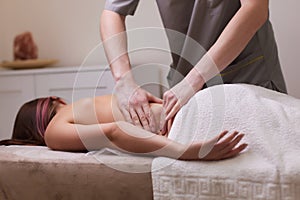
(235, 37)
(113, 34)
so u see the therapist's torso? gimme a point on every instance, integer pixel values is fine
(200, 22)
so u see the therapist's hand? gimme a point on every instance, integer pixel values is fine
(134, 104)
(177, 97)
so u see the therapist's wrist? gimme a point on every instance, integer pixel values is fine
(195, 80)
(121, 68)
(125, 79)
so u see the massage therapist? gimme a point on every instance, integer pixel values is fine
(236, 34)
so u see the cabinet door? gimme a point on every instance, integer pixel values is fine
(14, 92)
(74, 86)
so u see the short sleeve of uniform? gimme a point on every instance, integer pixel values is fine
(123, 7)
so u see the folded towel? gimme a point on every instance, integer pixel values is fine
(268, 169)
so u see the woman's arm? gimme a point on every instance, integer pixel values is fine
(128, 138)
(141, 141)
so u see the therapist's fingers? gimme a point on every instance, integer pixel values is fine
(126, 114)
(169, 100)
(150, 118)
(169, 125)
(136, 102)
(154, 99)
(165, 99)
(173, 111)
(172, 104)
(142, 117)
(164, 128)
(135, 117)
(169, 107)
(148, 112)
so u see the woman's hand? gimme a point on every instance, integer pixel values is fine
(216, 149)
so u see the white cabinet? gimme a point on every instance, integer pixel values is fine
(70, 83)
(75, 85)
(14, 91)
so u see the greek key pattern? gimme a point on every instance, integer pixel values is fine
(207, 188)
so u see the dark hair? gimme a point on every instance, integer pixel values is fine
(31, 122)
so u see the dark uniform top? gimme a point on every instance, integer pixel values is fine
(203, 21)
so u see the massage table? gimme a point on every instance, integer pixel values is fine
(269, 169)
(31, 172)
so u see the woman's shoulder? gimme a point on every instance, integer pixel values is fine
(91, 101)
(74, 110)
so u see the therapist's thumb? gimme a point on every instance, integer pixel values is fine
(154, 99)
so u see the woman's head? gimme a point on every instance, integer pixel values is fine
(32, 120)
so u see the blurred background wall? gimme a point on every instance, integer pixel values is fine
(68, 30)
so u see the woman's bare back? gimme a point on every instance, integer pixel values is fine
(97, 110)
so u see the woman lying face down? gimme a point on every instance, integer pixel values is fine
(95, 123)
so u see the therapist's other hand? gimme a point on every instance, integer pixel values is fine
(134, 104)
(174, 99)
(167, 128)
(177, 97)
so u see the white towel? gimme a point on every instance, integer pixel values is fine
(268, 169)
